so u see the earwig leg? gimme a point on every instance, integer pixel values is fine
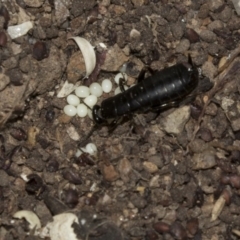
(121, 84)
(86, 106)
(114, 124)
(141, 75)
(143, 71)
(164, 107)
(85, 138)
(187, 100)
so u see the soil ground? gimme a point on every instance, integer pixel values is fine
(175, 175)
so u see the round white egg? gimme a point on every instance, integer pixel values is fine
(82, 110)
(82, 91)
(106, 85)
(118, 90)
(90, 114)
(96, 89)
(120, 75)
(73, 100)
(70, 110)
(90, 100)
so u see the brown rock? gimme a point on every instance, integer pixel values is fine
(124, 168)
(208, 36)
(115, 58)
(4, 81)
(117, 9)
(204, 160)
(138, 3)
(76, 67)
(109, 173)
(150, 167)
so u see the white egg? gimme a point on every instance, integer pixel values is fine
(96, 89)
(118, 90)
(91, 149)
(120, 75)
(90, 114)
(106, 85)
(82, 91)
(70, 110)
(90, 100)
(81, 110)
(73, 100)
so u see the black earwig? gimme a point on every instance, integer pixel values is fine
(166, 88)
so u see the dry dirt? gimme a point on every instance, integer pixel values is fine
(170, 176)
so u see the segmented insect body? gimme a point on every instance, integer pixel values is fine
(165, 88)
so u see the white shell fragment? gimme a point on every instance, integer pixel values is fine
(120, 75)
(72, 133)
(90, 148)
(30, 217)
(96, 89)
(103, 45)
(82, 91)
(70, 110)
(78, 153)
(82, 110)
(66, 89)
(236, 4)
(61, 227)
(106, 86)
(73, 100)
(90, 100)
(88, 54)
(20, 29)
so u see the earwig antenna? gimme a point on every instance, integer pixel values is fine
(94, 128)
(87, 106)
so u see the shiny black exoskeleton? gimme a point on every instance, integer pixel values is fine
(166, 88)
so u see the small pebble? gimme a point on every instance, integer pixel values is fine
(120, 75)
(96, 89)
(82, 91)
(19, 134)
(90, 100)
(40, 51)
(82, 110)
(3, 39)
(192, 36)
(73, 100)
(106, 85)
(161, 227)
(70, 110)
(178, 231)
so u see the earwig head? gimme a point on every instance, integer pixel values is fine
(96, 115)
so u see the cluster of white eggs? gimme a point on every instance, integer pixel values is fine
(85, 98)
